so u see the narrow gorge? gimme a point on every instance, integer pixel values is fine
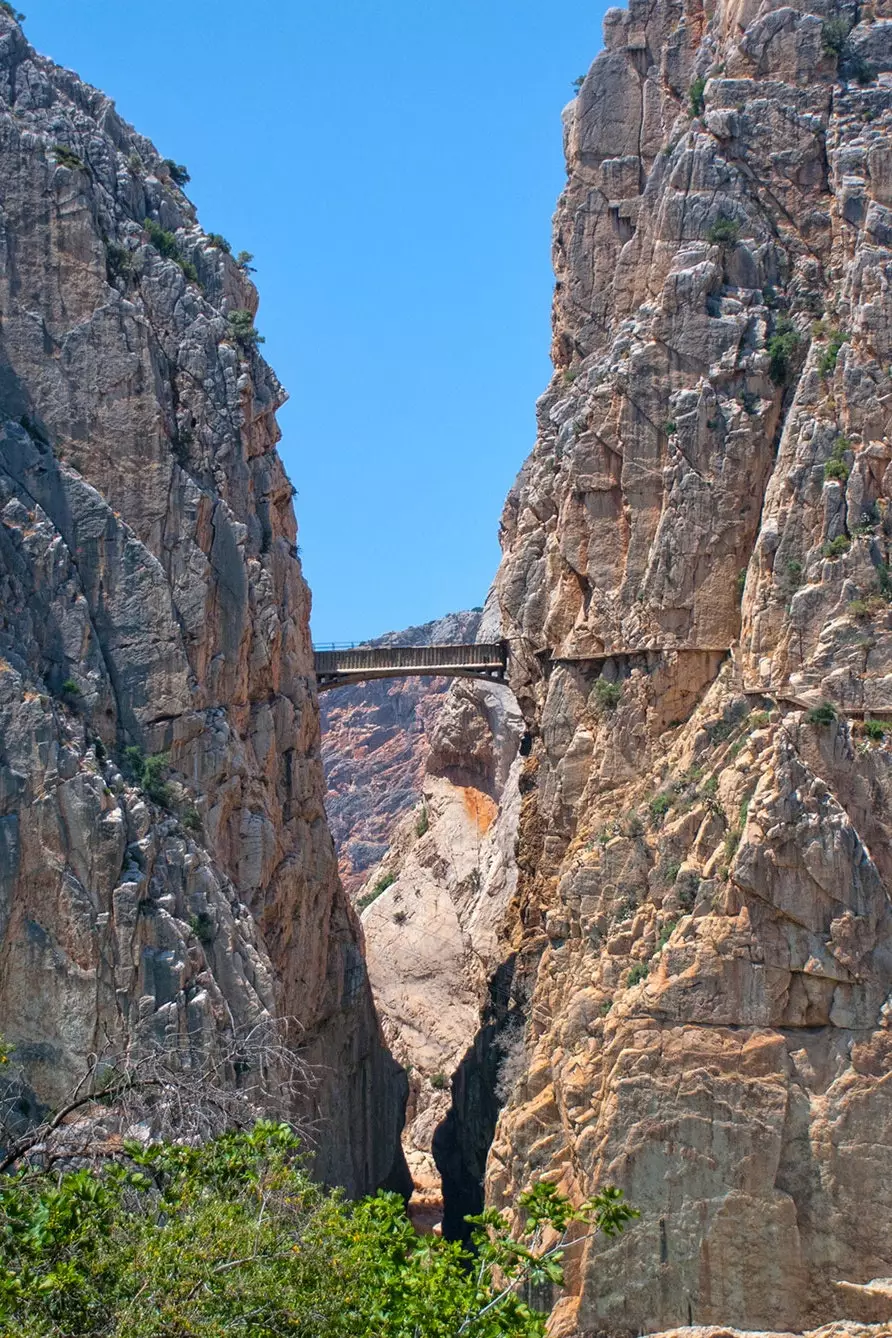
(623, 920)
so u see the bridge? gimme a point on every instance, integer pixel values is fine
(338, 665)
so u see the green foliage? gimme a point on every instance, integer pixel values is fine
(659, 806)
(118, 262)
(835, 471)
(243, 260)
(794, 574)
(439, 1081)
(135, 164)
(241, 325)
(874, 729)
(607, 695)
(383, 883)
(578, 82)
(233, 1237)
(835, 548)
(202, 926)
(165, 243)
(69, 688)
(133, 760)
(153, 782)
(423, 822)
(827, 360)
(570, 374)
(637, 973)
(13, 13)
(67, 158)
(782, 348)
(740, 583)
(216, 240)
(710, 787)
(759, 719)
(825, 714)
(724, 232)
(834, 35)
(191, 819)
(176, 171)
(749, 402)
(670, 872)
(696, 100)
(670, 427)
(665, 934)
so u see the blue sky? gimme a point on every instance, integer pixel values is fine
(393, 165)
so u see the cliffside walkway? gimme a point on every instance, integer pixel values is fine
(338, 665)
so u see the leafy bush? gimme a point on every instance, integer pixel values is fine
(607, 695)
(118, 262)
(176, 171)
(578, 82)
(439, 1081)
(836, 547)
(243, 260)
(834, 35)
(165, 243)
(202, 926)
(659, 806)
(759, 719)
(218, 241)
(835, 471)
(782, 348)
(135, 164)
(233, 1237)
(153, 782)
(423, 822)
(696, 100)
(241, 324)
(191, 819)
(69, 688)
(383, 883)
(670, 427)
(13, 13)
(724, 232)
(637, 973)
(874, 729)
(67, 157)
(827, 360)
(825, 714)
(670, 872)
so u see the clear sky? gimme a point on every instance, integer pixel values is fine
(393, 165)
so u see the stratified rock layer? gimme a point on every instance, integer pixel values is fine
(697, 550)
(151, 597)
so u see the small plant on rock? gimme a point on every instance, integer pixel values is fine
(578, 82)
(8, 9)
(202, 926)
(724, 232)
(176, 171)
(70, 690)
(243, 260)
(825, 714)
(241, 325)
(423, 822)
(696, 100)
(835, 548)
(607, 695)
(219, 242)
(874, 730)
(834, 35)
(635, 974)
(66, 157)
(439, 1082)
(782, 348)
(659, 806)
(827, 360)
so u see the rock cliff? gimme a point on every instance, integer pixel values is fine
(167, 876)
(695, 584)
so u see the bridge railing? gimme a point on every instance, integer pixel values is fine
(357, 658)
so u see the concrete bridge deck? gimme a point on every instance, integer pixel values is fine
(340, 665)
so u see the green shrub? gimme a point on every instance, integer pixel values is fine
(439, 1081)
(669, 872)
(69, 688)
(835, 548)
(202, 926)
(835, 471)
(834, 35)
(219, 242)
(423, 822)
(759, 719)
(724, 232)
(659, 806)
(874, 729)
(16, 14)
(794, 574)
(825, 714)
(827, 360)
(578, 82)
(696, 100)
(710, 787)
(164, 242)
(637, 973)
(858, 608)
(176, 171)
(153, 782)
(782, 349)
(243, 260)
(135, 164)
(118, 262)
(383, 883)
(241, 325)
(67, 158)
(665, 934)
(191, 819)
(607, 695)
(233, 1237)
(670, 427)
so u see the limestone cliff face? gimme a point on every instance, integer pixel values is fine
(696, 551)
(151, 598)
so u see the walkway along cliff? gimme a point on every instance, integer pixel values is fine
(695, 586)
(167, 876)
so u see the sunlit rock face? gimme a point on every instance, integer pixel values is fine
(695, 557)
(151, 598)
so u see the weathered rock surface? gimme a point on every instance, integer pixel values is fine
(375, 740)
(151, 597)
(696, 550)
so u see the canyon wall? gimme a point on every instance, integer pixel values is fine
(695, 585)
(152, 607)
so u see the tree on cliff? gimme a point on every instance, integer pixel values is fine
(231, 1236)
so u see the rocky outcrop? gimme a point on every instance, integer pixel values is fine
(695, 559)
(375, 741)
(152, 607)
